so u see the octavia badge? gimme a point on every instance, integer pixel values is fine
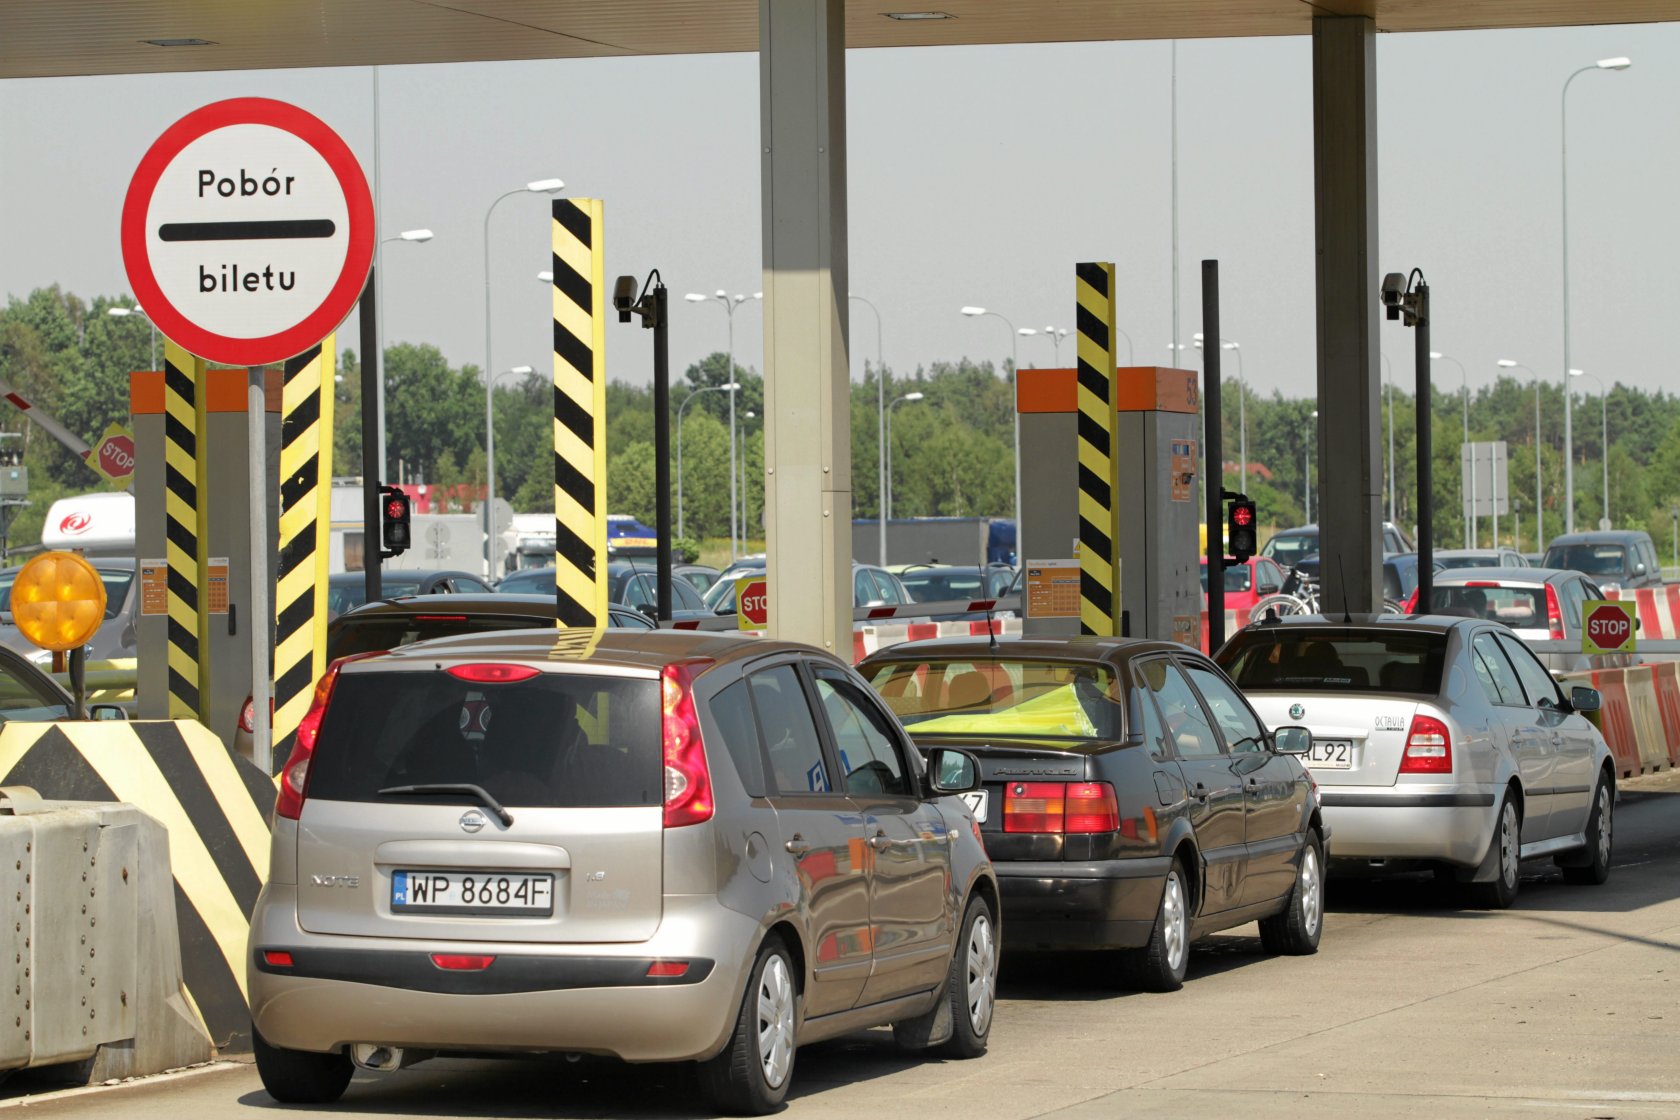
(472, 820)
(1295, 712)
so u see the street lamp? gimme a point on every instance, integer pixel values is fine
(1437, 356)
(1015, 363)
(1539, 493)
(539, 186)
(125, 312)
(681, 408)
(880, 429)
(1242, 406)
(1306, 475)
(730, 303)
(749, 414)
(1054, 334)
(1604, 439)
(899, 401)
(1568, 410)
(1388, 388)
(418, 236)
(489, 464)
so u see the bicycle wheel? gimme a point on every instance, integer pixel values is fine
(1282, 605)
(1393, 606)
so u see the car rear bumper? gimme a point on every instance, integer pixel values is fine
(582, 998)
(1450, 824)
(1109, 904)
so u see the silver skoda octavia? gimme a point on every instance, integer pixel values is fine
(652, 846)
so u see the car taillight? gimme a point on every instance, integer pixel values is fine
(1034, 806)
(493, 674)
(1428, 748)
(1411, 604)
(1091, 807)
(463, 962)
(688, 783)
(1554, 615)
(248, 716)
(294, 776)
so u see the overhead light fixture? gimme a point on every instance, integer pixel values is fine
(179, 42)
(918, 15)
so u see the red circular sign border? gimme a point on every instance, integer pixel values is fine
(358, 258)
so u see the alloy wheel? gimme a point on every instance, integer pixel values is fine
(1509, 845)
(1173, 919)
(1604, 811)
(775, 1021)
(982, 974)
(1312, 891)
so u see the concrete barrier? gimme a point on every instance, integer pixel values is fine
(1648, 733)
(95, 970)
(1615, 720)
(1667, 678)
(215, 809)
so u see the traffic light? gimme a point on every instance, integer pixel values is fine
(1240, 535)
(393, 518)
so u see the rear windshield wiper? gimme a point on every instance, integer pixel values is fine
(479, 792)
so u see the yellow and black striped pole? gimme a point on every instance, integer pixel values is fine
(580, 415)
(1099, 607)
(300, 596)
(183, 381)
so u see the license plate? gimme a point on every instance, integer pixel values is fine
(1331, 754)
(975, 799)
(480, 893)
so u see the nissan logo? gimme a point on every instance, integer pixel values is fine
(472, 820)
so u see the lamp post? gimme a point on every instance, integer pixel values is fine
(1306, 474)
(1568, 411)
(418, 237)
(1604, 439)
(1015, 363)
(539, 186)
(1242, 407)
(1388, 390)
(1437, 356)
(1539, 492)
(749, 414)
(898, 401)
(489, 462)
(125, 312)
(681, 408)
(729, 303)
(880, 430)
(1054, 334)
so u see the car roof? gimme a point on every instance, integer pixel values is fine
(1600, 536)
(121, 563)
(1084, 647)
(404, 574)
(1427, 623)
(1502, 575)
(627, 649)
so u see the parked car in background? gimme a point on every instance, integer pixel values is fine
(115, 637)
(1247, 583)
(1130, 798)
(348, 590)
(1447, 559)
(1617, 561)
(1291, 546)
(871, 586)
(1538, 604)
(941, 583)
(700, 576)
(662, 846)
(1399, 576)
(1437, 742)
(28, 694)
(630, 583)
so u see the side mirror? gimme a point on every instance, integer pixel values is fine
(1292, 740)
(952, 771)
(107, 711)
(648, 609)
(1584, 699)
(1639, 568)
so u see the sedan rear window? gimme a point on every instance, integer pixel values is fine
(553, 741)
(377, 633)
(1024, 699)
(1520, 608)
(1591, 559)
(1290, 659)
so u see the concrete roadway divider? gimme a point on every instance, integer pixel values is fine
(1666, 676)
(215, 808)
(1648, 733)
(95, 975)
(1615, 719)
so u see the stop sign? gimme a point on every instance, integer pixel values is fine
(113, 455)
(1608, 627)
(752, 602)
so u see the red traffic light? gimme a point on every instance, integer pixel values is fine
(1242, 515)
(396, 508)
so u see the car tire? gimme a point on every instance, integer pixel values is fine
(1507, 843)
(1161, 964)
(1297, 928)
(961, 1022)
(746, 1078)
(1599, 838)
(301, 1076)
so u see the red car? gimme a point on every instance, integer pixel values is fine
(1246, 584)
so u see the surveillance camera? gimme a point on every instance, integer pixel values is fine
(624, 297)
(1393, 290)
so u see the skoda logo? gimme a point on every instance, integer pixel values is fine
(1295, 712)
(472, 820)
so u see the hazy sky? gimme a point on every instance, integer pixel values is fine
(971, 182)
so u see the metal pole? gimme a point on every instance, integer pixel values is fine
(1539, 508)
(489, 406)
(1568, 409)
(1242, 416)
(662, 446)
(378, 288)
(1213, 446)
(1425, 451)
(372, 422)
(729, 310)
(880, 430)
(887, 469)
(1306, 479)
(1388, 368)
(680, 409)
(1015, 407)
(1604, 439)
(262, 614)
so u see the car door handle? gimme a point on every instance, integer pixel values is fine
(881, 842)
(1201, 792)
(797, 846)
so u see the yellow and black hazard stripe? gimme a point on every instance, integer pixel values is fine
(183, 377)
(1098, 606)
(580, 415)
(300, 594)
(215, 807)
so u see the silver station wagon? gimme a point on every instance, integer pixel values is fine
(654, 846)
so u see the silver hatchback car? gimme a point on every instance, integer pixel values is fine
(655, 846)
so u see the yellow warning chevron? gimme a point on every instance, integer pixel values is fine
(580, 415)
(1094, 291)
(183, 378)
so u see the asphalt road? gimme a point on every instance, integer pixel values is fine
(1568, 1005)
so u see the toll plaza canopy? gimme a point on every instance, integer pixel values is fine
(802, 93)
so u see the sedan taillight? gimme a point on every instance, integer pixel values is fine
(1060, 807)
(1428, 748)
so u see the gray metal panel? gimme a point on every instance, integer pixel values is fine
(229, 534)
(151, 631)
(1050, 489)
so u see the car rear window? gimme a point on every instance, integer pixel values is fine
(1591, 559)
(377, 633)
(1520, 608)
(1292, 659)
(1026, 699)
(553, 741)
(939, 587)
(1239, 578)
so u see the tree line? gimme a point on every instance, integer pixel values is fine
(951, 450)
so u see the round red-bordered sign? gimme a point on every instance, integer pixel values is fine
(248, 231)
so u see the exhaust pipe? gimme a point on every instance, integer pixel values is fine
(376, 1057)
